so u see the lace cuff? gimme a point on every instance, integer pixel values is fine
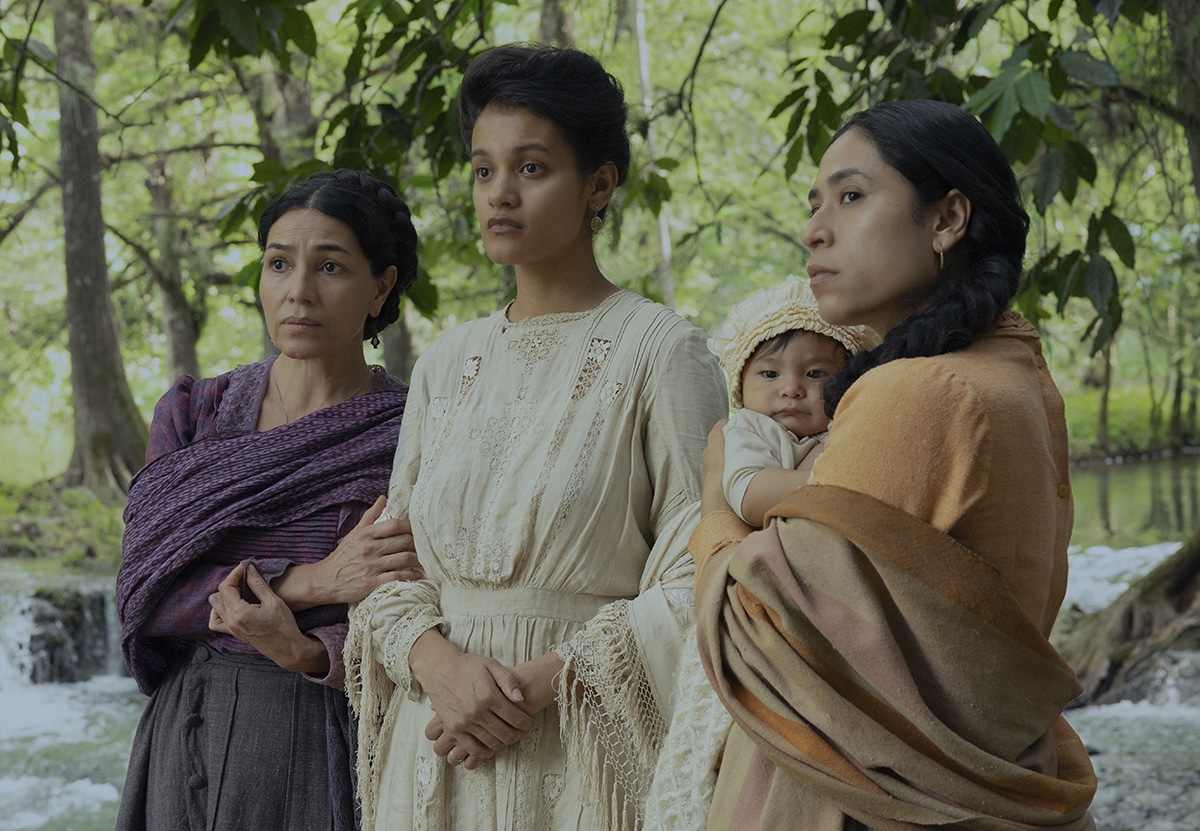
(612, 726)
(400, 638)
(377, 667)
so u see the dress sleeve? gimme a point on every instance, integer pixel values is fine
(750, 448)
(384, 626)
(906, 423)
(624, 662)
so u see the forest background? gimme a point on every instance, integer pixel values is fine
(138, 142)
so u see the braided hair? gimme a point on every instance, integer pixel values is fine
(938, 147)
(377, 216)
(567, 87)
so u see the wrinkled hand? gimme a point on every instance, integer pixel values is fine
(536, 676)
(268, 625)
(372, 554)
(712, 493)
(478, 701)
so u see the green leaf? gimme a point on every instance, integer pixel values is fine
(1080, 160)
(849, 28)
(204, 36)
(177, 14)
(983, 98)
(241, 23)
(268, 170)
(43, 53)
(1048, 180)
(1002, 115)
(298, 26)
(792, 97)
(1083, 67)
(249, 275)
(1099, 283)
(1119, 237)
(424, 294)
(794, 155)
(1062, 116)
(1033, 91)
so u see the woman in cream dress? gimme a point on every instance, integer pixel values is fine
(549, 465)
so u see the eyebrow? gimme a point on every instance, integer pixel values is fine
(840, 176)
(324, 246)
(520, 148)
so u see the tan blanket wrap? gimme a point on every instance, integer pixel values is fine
(882, 671)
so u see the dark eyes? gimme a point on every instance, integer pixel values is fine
(529, 169)
(328, 267)
(845, 199)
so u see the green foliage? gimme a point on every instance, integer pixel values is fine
(16, 53)
(1128, 422)
(66, 526)
(1026, 98)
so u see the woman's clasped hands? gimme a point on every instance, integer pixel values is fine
(481, 706)
(372, 554)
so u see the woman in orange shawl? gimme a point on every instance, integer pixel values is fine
(882, 643)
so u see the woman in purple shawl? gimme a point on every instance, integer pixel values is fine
(253, 525)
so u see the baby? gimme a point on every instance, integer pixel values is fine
(778, 352)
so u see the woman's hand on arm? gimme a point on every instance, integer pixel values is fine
(712, 491)
(268, 625)
(372, 554)
(478, 701)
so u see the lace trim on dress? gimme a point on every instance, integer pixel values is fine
(686, 777)
(371, 679)
(612, 726)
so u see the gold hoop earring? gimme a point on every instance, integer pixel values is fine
(941, 260)
(597, 223)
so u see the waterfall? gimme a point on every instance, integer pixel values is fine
(61, 630)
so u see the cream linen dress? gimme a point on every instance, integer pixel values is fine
(551, 471)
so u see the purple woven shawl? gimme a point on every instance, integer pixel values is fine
(182, 503)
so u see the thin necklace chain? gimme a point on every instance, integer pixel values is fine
(279, 393)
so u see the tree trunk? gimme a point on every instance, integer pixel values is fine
(554, 24)
(396, 341)
(1183, 21)
(282, 105)
(666, 279)
(110, 433)
(1175, 422)
(1190, 436)
(178, 319)
(1106, 387)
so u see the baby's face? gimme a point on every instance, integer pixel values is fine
(785, 383)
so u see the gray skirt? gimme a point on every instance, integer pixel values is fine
(235, 742)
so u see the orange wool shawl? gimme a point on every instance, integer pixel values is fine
(878, 670)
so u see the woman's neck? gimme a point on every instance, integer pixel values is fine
(542, 291)
(301, 387)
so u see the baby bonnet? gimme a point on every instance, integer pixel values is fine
(770, 312)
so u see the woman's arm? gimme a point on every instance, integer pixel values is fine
(375, 552)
